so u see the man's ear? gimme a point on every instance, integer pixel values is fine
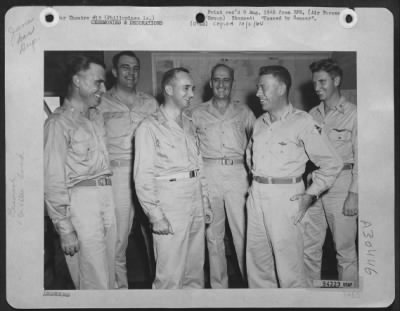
(336, 81)
(75, 81)
(114, 72)
(168, 90)
(282, 89)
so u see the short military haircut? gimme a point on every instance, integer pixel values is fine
(171, 75)
(328, 65)
(78, 63)
(117, 56)
(230, 70)
(279, 72)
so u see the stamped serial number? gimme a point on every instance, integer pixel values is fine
(333, 284)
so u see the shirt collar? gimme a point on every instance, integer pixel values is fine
(73, 107)
(113, 93)
(340, 106)
(214, 111)
(288, 110)
(163, 117)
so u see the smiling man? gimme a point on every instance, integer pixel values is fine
(338, 207)
(171, 187)
(283, 140)
(224, 128)
(123, 108)
(77, 181)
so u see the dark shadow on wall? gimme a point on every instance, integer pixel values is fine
(110, 79)
(207, 92)
(254, 104)
(308, 96)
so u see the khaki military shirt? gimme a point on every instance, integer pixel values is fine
(340, 124)
(223, 135)
(282, 149)
(121, 122)
(74, 150)
(163, 148)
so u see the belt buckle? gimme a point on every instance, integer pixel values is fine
(101, 181)
(104, 181)
(226, 161)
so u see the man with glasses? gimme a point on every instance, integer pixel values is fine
(224, 127)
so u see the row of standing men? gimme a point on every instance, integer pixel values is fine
(191, 170)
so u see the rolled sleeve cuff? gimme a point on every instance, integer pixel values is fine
(64, 226)
(156, 215)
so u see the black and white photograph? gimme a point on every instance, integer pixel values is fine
(221, 95)
(230, 171)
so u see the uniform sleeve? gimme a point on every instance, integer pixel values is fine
(144, 173)
(154, 105)
(203, 182)
(354, 141)
(249, 151)
(251, 119)
(321, 152)
(56, 193)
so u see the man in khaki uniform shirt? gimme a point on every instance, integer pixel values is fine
(171, 187)
(224, 127)
(338, 207)
(283, 140)
(77, 184)
(123, 108)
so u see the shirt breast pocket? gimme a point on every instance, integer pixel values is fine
(82, 144)
(166, 149)
(116, 122)
(339, 135)
(112, 115)
(283, 149)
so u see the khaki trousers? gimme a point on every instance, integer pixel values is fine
(180, 256)
(227, 187)
(93, 217)
(124, 211)
(274, 243)
(328, 210)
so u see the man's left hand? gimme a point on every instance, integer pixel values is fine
(305, 201)
(350, 207)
